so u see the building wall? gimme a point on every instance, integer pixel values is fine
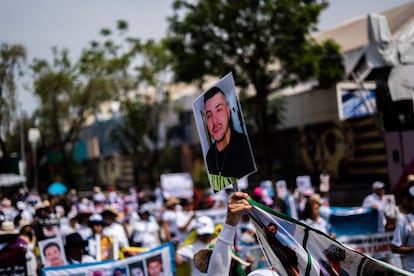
(310, 107)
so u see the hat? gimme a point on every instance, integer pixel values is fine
(171, 202)
(111, 212)
(316, 198)
(202, 258)
(204, 225)
(377, 185)
(24, 223)
(83, 215)
(96, 219)
(7, 228)
(75, 240)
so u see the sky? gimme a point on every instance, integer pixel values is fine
(72, 24)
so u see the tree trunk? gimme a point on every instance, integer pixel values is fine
(264, 134)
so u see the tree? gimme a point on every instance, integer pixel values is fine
(142, 65)
(12, 60)
(137, 133)
(69, 93)
(266, 44)
(109, 69)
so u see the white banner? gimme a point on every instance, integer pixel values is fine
(375, 245)
(178, 185)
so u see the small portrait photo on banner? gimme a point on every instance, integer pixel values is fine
(52, 252)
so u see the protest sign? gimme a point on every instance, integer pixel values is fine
(267, 188)
(304, 184)
(218, 215)
(324, 185)
(375, 245)
(52, 252)
(103, 247)
(223, 136)
(179, 185)
(294, 248)
(281, 189)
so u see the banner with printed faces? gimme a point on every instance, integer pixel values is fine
(294, 248)
(158, 261)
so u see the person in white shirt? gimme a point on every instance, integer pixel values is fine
(169, 219)
(311, 215)
(114, 229)
(145, 231)
(374, 201)
(83, 224)
(220, 261)
(69, 226)
(403, 237)
(100, 247)
(205, 233)
(185, 219)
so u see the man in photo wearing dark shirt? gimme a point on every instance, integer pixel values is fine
(229, 158)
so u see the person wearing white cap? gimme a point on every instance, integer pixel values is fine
(205, 229)
(374, 201)
(403, 237)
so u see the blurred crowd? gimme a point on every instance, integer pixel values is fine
(134, 222)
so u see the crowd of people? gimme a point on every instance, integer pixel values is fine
(106, 225)
(125, 223)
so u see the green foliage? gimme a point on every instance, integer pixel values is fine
(140, 118)
(265, 43)
(107, 70)
(331, 68)
(247, 37)
(12, 61)
(67, 97)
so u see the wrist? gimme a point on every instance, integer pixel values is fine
(231, 222)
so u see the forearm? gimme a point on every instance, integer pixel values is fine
(221, 257)
(403, 249)
(166, 230)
